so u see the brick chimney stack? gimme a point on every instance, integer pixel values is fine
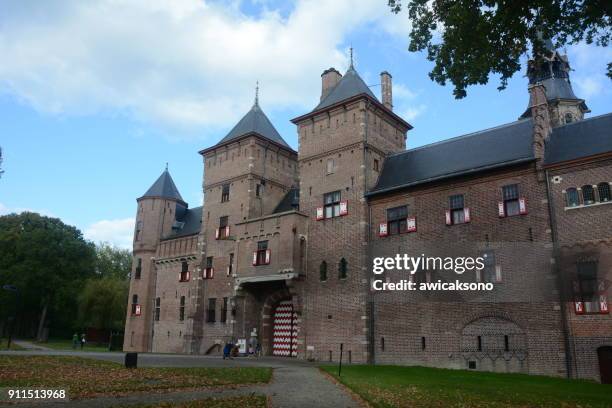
(540, 114)
(329, 78)
(386, 89)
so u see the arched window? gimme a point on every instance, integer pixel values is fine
(588, 194)
(604, 192)
(571, 197)
(323, 271)
(569, 118)
(342, 269)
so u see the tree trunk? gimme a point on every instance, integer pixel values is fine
(41, 323)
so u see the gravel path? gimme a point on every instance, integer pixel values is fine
(295, 383)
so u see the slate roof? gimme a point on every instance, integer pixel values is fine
(164, 187)
(579, 139)
(491, 148)
(291, 201)
(255, 121)
(349, 85)
(190, 224)
(558, 89)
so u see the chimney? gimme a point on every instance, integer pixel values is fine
(538, 104)
(386, 90)
(329, 79)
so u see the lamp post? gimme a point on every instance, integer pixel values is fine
(12, 288)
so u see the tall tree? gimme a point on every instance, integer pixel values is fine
(48, 262)
(112, 261)
(470, 39)
(102, 303)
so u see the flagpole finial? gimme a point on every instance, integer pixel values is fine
(351, 53)
(166, 166)
(257, 93)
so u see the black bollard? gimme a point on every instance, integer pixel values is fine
(131, 360)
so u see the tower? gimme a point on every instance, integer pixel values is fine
(551, 69)
(343, 142)
(157, 212)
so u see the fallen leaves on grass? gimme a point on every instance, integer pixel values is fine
(251, 401)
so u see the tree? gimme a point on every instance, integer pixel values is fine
(480, 37)
(112, 261)
(48, 261)
(102, 303)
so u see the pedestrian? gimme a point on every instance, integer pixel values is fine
(258, 350)
(75, 340)
(226, 350)
(82, 341)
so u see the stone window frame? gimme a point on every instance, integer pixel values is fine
(599, 191)
(342, 269)
(225, 192)
(157, 309)
(323, 271)
(182, 309)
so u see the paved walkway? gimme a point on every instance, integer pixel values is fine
(28, 345)
(295, 383)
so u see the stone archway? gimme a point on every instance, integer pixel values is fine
(271, 305)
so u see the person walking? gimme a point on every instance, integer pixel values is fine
(82, 341)
(75, 340)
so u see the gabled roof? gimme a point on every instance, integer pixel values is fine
(491, 148)
(349, 85)
(190, 223)
(255, 121)
(164, 187)
(584, 138)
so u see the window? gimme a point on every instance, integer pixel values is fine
(375, 164)
(225, 190)
(569, 118)
(604, 192)
(571, 197)
(397, 222)
(210, 313)
(138, 270)
(258, 190)
(588, 290)
(138, 230)
(323, 271)
(157, 308)
(135, 305)
(223, 318)
(490, 273)
(342, 269)
(332, 204)
(330, 166)
(209, 270)
(262, 255)
(182, 309)
(184, 276)
(223, 231)
(230, 267)
(456, 204)
(510, 195)
(588, 194)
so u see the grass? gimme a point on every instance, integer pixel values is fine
(84, 378)
(3, 345)
(251, 401)
(394, 386)
(66, 344)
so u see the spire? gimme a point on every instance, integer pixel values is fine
(351, 53)
(166, 166)
(164, 187)
(256, 94)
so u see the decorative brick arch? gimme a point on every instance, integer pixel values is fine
(471, 318)
(267, 319)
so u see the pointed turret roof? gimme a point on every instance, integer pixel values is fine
(164, 187)
(349, 85)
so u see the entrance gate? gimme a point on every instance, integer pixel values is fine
(284, 341)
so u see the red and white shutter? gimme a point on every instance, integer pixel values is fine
(411, 224)
(382, 229)
(343, 207)
(227, 271)
(522, 206)
(448, 217)
(254, 258)
(137, 310)
(227, 231)
(500, 209)
(603, 304)
(320, 213)
(579, 307)
(466, 215)
(217, 233)
(188, 276)
(267, 256)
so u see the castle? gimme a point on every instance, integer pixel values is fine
(282, 248)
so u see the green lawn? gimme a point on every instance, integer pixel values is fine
(66, 344)
(395, 386)
(3, 344)
(83, 377)
(251, 401)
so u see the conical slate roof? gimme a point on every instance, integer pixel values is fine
(255, 121)
(349, 85)
(164, 187)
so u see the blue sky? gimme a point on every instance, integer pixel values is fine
(95, 97)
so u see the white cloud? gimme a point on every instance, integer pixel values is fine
(117, 232)
(412, 112)
(589, 63)
(187, 63)
(4, 209)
